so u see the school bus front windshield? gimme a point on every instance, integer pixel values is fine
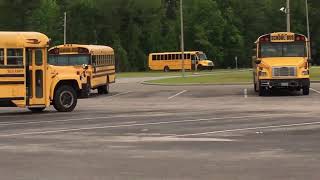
(291, 49)
(69, 60)
(202, 56)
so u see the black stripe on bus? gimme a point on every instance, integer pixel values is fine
(101, 75)
(11, 75)
(11, 67)
(12, 99)
(99, 66)
(11, 82)
(106, 70)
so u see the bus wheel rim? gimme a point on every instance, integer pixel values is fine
(66, 99)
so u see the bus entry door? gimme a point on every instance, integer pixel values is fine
(35, 79)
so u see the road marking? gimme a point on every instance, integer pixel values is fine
(119, 94)
(178, 94)
(245, 92)
(82, 119)
(248, 129)
(138, 124)
(315, 90)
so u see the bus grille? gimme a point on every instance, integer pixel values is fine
(284, 71)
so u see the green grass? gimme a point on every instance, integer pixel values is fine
(158, 74)
(223, 78)
(315, 73)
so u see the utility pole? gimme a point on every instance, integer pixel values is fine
(65, 28)
(288, 16)
(182, 38)
(308, 28)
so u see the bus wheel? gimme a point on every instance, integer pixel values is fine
(37, 110)
(166, 69)
(306, 90)
(104, 89)
(199, 67)
(65, 99)
(263, 91)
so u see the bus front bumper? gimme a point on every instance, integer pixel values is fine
(285, 83)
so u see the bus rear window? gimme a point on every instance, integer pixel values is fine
(14, 56)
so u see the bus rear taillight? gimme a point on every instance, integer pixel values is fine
(300, 38)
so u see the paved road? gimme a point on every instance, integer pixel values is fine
(141, 132)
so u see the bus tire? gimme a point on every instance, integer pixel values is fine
(65, 99)
(306, 90)
(199, 67)
(166, 69)
(36, 110)
(104, 89)
(263, 91)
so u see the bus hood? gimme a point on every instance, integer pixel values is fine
(284, 61)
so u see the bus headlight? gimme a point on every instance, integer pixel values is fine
(261, 73)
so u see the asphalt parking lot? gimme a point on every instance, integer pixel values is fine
(143, 132)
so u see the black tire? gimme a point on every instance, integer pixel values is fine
(65, 99)
(166, 69)
(104, 89)
(36, 110)
(306, 90)
(263, 91)
(199, 68)
(211, 68)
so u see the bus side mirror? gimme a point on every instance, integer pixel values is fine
(85, 66)
(257, 61)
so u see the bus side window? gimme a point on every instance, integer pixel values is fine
(39, 60)
(158, 57)
(169, 57)
(14, 56)
(154, 57)
(1, 56)
(93, 60)
(188, 56)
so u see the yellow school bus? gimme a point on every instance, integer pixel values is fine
(281, 60)
(26, 79)
(173, 61)
(100, 61)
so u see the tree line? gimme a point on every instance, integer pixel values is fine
(223, 29)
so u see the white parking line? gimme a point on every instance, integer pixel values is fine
(139, 124)
(248, 129)
(315, 90)
(178, 94)
(245, 92)
(81, 119)
(119, 94)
